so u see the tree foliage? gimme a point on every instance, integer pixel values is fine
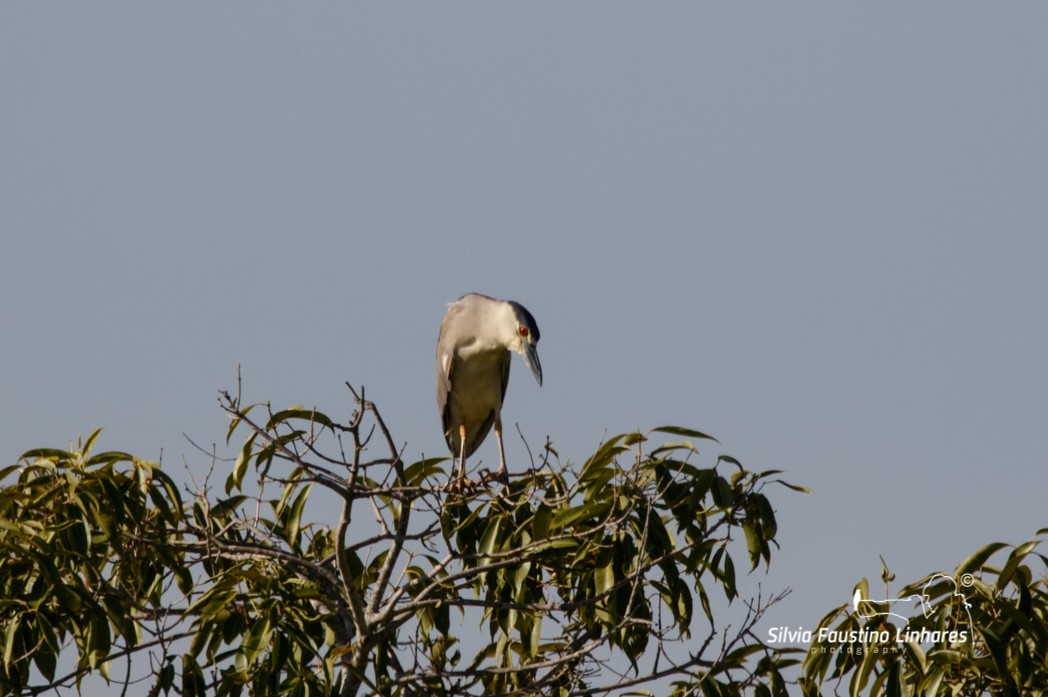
(88, 546)
(569, 580)
(316, 561)
(984, 631)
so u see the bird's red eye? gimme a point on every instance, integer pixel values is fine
(523, 331)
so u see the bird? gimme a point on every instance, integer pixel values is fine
(473, 359)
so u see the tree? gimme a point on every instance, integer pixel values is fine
(583, 580)
(984, 630)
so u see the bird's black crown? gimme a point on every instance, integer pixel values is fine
(525, 318)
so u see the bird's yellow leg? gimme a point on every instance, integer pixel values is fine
(501, 474)
(462, 451)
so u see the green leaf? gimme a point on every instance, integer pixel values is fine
(929, 685)
(633, 438)
(722, 495)
(540, 522)
(77, 537)
(704, 601)
(997, 651)
(294, 519)
(193, 683)
(602, 458)
(490, 539)
(235, 422)
(85, 448)
(109, 458)
(46, 662)
(535, 635)
(559, 543)
(753, 544)
(416, 473)
(1034, 628)
(99, 640)
(211, 603)
(604, 573)
(660, 541)
(257, 640)
(728, 578)
(795, 487)
(595, 485)
(1014, 560)
(9, 638)
(684, 432)
(310, 415)
(236, 477)
(564, 517)
(294, 479)
(731, 461)
(227, 507)
(737, 658)
(861, 677)
(887, 576)
(520, 575)
(46, 454)
(166, 679)
(975, 561)
(766, 515)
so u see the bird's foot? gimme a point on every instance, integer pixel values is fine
(501, 476)
(464, 486)
(461, 485)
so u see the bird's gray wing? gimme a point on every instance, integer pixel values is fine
(445, 366)
(443, 385)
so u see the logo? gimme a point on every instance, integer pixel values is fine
(940, 594)
(920, 604)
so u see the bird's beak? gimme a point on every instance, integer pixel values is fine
(530, 354)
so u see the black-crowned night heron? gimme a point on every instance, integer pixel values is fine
(476, 337)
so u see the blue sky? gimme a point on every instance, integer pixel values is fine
(815, 231)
